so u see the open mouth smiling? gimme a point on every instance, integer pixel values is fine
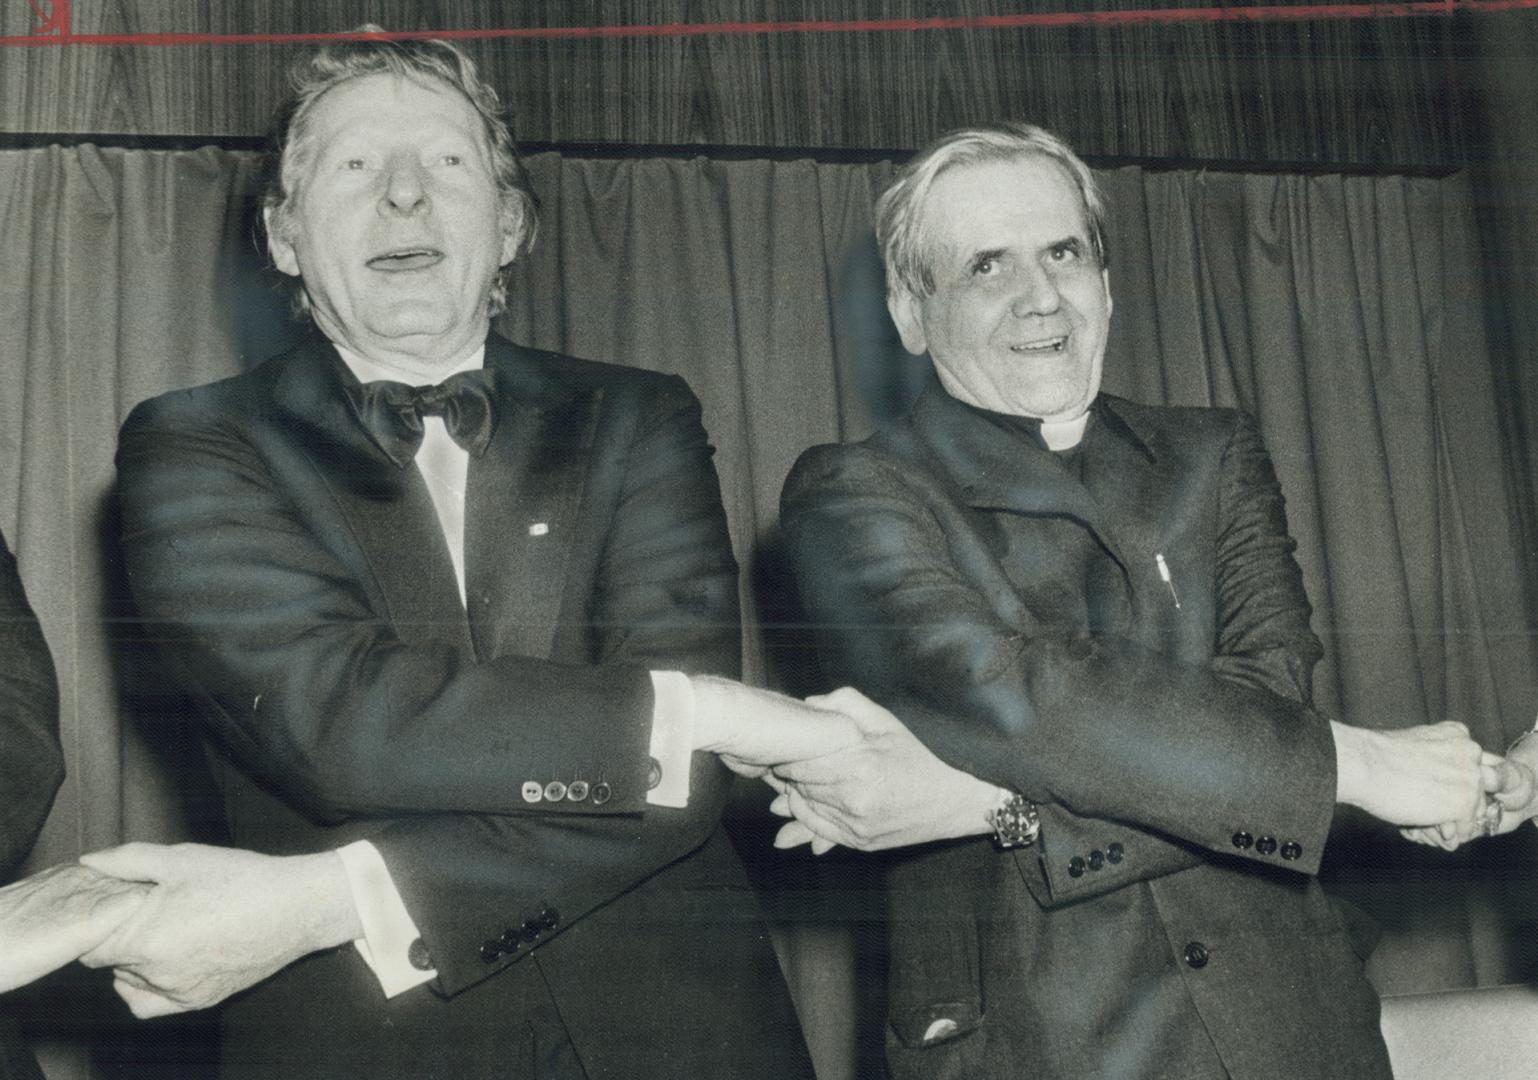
(1055, 344)
(407, 258)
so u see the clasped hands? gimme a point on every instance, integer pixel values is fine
(849, 773)
(1510, 797)
(185, 926)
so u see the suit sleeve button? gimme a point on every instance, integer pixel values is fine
(1243, 839)
(532, 792)
(1265, 845)
(1096, 859)
(491, 950)
(1076, 867)
(555, 791)
(1115, 853)
(576, 791)
(1292, 850)
(418, 956)
(550, 918)
(601, 793)
(510, 940)
(1196, 955)
(530, 930)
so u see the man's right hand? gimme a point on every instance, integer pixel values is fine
(1427, 775)
(752, 730)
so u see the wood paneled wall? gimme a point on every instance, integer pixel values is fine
(1389, 92)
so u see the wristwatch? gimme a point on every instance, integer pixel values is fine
(1015, 822)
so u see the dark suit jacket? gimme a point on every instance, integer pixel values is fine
(31, 765)
(1007, 604)
(302, 588)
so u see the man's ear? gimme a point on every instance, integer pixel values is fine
(282, 252)
(905, 309)
(514, 223)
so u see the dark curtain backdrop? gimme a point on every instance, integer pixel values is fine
(1347, 313)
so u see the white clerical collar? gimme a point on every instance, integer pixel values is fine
(372, 371)
(1064, 434)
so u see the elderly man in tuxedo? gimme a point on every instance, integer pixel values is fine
(452, 610)
(1088, 612)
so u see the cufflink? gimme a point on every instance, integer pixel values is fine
(418, 956)
(653, 774)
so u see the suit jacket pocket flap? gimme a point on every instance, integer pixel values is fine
(935, 1023)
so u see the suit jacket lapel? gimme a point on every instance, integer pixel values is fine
(523, 501)
(387, 510)
(995, 471)
(1124, 474)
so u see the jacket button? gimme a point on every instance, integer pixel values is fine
(510, 940)
(1075, 867)
(601, 793)
(530, 930)
(532, 792)
(491, 950)
(1243, 839)
(1196, 955)
(1114, 853)
(576, 791)
(1096, 859)
(418, 956)
(555, 791)
(1292, 850)
(550, 918)
(1265, 845)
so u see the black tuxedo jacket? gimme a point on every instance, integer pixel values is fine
(31, 765)
(1007, 603)
(302, 588)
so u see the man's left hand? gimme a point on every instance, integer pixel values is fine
(50, 918)
(885, 790)
(217, 921)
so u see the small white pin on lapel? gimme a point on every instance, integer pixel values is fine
(539, 528)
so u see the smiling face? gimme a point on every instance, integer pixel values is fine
(394, 224)
(1018, 318)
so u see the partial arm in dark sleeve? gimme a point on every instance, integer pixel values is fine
(31, 765)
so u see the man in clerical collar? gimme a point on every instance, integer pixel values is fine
(1088, 612)
(455, 613)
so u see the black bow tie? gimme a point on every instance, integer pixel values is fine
(392, 413)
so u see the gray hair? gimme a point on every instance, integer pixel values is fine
(426, 61)
(902, 231)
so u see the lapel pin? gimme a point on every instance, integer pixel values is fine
(539, 528)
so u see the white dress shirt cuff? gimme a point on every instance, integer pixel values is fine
(672, 741)
(388, 931)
